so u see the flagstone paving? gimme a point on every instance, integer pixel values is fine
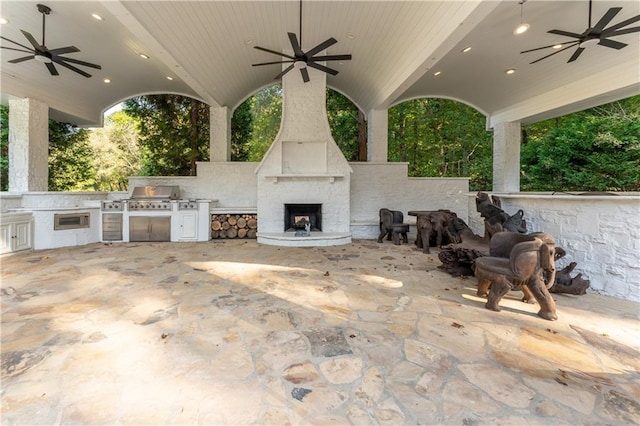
(232, 333)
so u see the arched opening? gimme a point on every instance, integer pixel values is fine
(441, 138)
(256, 122)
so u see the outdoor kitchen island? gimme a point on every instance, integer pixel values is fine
(155, 213)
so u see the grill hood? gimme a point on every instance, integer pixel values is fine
(159, 192)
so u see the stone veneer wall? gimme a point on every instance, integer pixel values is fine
(600, 233)
(28, 145)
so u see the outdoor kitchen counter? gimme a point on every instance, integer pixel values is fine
(233, 210)
(45, 236)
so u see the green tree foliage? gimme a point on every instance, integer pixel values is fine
(117, 154)
(4, 148)
(241, 131)
(593, 150)
(256, 122)
(70, 158)
(343, 121)
(173, 133)
(266, 111)
(442, 138)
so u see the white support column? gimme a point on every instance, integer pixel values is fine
(28, 145)
(378, 133)
(220, 134)
(506, 157)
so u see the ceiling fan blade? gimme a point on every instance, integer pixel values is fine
(64, 50)
(612, 43)
(621, 24)
(565, 33)
(271, 63)
(322, 46)
(331, 58)
(622, 32)
(322, 68)
(576, 54)
(32, 41)
(611, 13)
(19, 44)
(551, 45)
(264, 49)
(25, 58)
(60, 61)
(52, 69)
(554, 53)
(17, 50)
(79, 62)
(295, 45)
(305, 74)
(286, 70)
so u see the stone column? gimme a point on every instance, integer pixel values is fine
(28, 145)
(506, 157)
(378, 132)
(220, 134)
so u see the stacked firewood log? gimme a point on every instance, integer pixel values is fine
(234, 226)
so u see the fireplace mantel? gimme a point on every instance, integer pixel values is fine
(330, 177)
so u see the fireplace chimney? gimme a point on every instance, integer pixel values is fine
(304, 165)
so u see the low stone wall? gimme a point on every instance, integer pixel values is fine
(233, 185)
(599, 232)
(378, 185)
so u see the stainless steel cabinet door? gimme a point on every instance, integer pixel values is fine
(149, 228)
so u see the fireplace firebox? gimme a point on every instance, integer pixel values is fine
(296, 216)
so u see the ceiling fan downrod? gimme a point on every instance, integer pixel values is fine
(45, 10)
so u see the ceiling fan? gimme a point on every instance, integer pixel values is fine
(41, 53)
(303, 59)
(597, 34)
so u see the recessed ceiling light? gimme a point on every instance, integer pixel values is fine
(96, 16)
(4, 21)
(466, 49)
(248, 41)
(351, 36)
(510, 71)
(437, 73)
(521, 29)
(107, 80)
(169, 78)
(143, 56)
(556, 46)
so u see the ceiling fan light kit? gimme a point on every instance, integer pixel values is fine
(598, 34)
(301, 59)
(47, 56)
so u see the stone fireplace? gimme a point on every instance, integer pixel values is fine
(304, 167)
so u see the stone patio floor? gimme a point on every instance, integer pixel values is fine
(233, 332)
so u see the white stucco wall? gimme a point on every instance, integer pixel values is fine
(371, 187)
(600, 233)
(378, 185)
(229, 184)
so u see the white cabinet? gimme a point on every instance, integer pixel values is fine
(16, 232)
(188, 226)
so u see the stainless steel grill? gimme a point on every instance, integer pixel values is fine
(153, 197)
(188, 205)
(112, 206)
